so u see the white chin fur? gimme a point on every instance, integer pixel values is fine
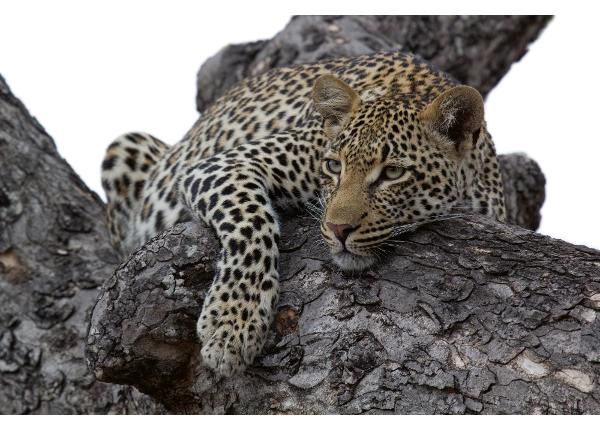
(349, 262)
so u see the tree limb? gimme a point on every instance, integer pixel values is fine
(54, 253)
(476, 50)
(464, 316)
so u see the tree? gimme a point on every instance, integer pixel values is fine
(466, 315)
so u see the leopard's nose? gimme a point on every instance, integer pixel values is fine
(341, 231)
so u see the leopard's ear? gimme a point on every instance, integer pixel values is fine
(336, 102)
(457, 116)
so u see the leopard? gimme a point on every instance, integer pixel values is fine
(380, 144)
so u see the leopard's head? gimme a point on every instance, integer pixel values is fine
(392, 163)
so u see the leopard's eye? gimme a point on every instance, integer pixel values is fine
(334, 166)
(391, 173)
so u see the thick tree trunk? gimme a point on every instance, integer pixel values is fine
(476, 316)
(463, 316)
(54, 254)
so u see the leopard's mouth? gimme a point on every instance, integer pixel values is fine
(350, 262)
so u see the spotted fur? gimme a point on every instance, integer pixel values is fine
(385, 142)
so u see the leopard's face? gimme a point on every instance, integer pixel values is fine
(393, 163)
(379, 177)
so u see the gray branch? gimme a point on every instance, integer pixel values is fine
(463, 316)
(54, 255)
(476, 50)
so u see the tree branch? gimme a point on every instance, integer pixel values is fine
(464, 316)
(54, 253)
(476, 50)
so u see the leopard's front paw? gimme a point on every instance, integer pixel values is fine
(229, 344)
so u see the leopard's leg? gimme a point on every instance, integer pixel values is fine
(125, 170)
(235, 193)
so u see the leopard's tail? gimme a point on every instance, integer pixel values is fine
(125, 169)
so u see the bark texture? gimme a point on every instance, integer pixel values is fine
(54, 254)
(476, 50)
(467, 316)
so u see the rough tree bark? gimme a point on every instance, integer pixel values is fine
(476, 50)
(466, 316)
(54, 254)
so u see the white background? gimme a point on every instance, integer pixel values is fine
(91, 72)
